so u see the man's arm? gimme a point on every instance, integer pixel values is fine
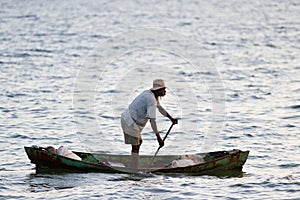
(154, 128)
(166, 114)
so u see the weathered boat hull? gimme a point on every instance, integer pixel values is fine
(215, 163)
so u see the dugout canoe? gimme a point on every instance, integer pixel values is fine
(214, 163)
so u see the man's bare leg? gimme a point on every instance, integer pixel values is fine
(134, 161)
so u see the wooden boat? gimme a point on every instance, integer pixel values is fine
(215, 163)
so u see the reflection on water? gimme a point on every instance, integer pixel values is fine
(48, 182)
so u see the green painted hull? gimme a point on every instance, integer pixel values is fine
(216, 163)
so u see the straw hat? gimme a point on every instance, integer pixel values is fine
(158, 84)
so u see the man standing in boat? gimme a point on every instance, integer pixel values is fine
(135, 117)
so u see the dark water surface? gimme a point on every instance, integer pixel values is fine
(255, 45)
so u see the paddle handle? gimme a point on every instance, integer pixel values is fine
(168, 132)
(159, 147)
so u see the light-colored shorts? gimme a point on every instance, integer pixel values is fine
(132, 134)
(132, 140)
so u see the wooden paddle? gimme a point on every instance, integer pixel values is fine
(147, 170)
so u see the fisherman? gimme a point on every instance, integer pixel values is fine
(135, 117)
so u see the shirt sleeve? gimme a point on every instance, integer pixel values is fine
(151, 112)
(151, 107)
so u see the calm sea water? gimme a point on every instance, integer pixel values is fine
(45, 47)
